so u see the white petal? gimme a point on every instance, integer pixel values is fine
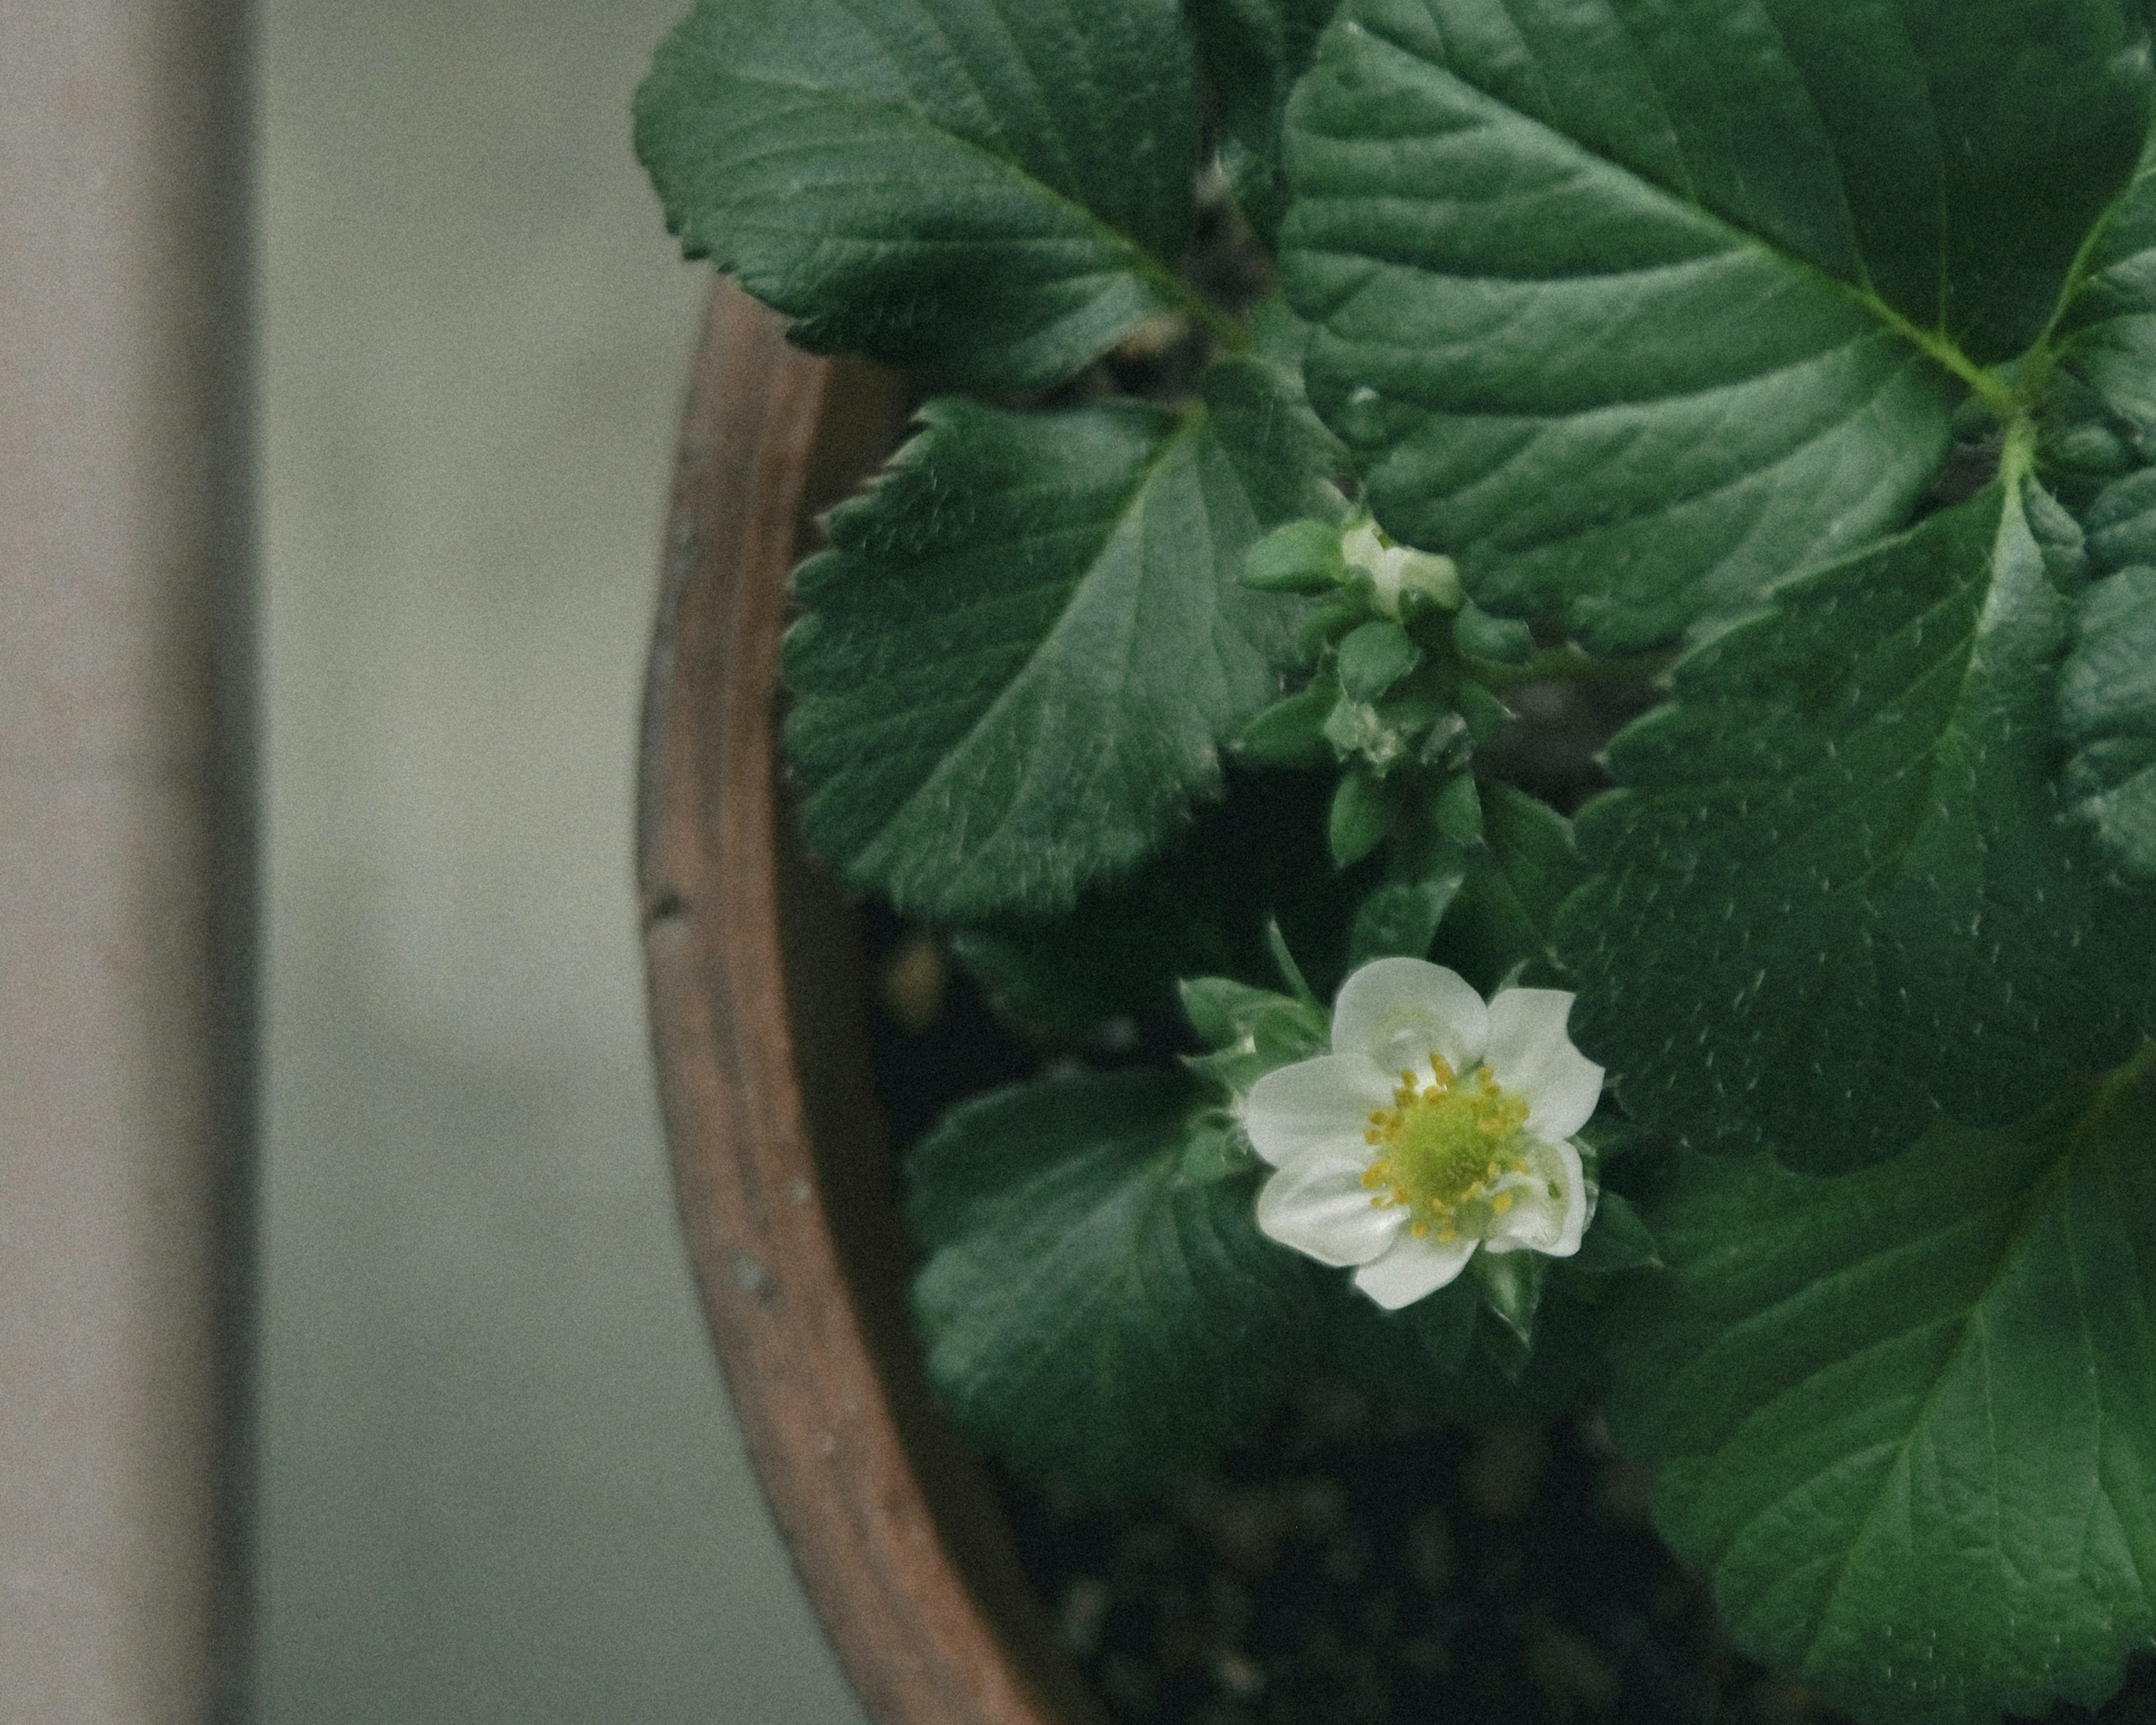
(1530, 1055)
(1321, 1104)
(1319, 1205)
(1401, 1011)
(1537, 1222)
(1412, 1269)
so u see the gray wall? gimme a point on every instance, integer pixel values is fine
(500, 1483)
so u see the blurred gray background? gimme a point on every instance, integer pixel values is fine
(500, 1480)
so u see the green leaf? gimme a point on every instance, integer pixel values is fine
(989, 190)
(1262, 416)
(1254, 50)
(2106, 335)
(1616, 1240)
(1837, 895)
(1089, 1313)
(2120, 523)
(1516, 878)
(1022, 652)
(2107, 714)
(1907, 1418)
(1410, 1356)
(1632, 309)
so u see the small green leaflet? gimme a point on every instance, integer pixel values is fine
(1836, 892)
(1633, 308)
(990, 191)
(1023, 649)
(1906, 1419)
(1090, 1312)
(1254, 50)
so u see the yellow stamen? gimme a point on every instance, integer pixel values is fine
(1448, 1143)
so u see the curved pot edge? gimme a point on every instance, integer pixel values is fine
(782, 1167)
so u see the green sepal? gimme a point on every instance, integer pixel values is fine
(1302, 556)
(1326, 622)
(1215, 1148)
(1374, 657)
(1485, 713)
(1291, 971)
(1496, 640)
(1364, 810)
(1457, 809)
(1291, 733)
(1512, 1286)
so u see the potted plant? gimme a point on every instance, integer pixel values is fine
(1521, 639)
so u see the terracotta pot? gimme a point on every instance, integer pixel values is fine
(781, 1163)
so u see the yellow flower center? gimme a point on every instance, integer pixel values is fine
(1445, 1149)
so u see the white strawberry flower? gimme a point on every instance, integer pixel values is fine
(1436, 1126)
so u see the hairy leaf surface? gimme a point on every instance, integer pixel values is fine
(1633, 308)
(1024, 648)
(1089, 1312)
(2108, 711)
(1907, 1418)
(2107, 334)
(992, 191)
(2107, 690)
(1836, 893)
